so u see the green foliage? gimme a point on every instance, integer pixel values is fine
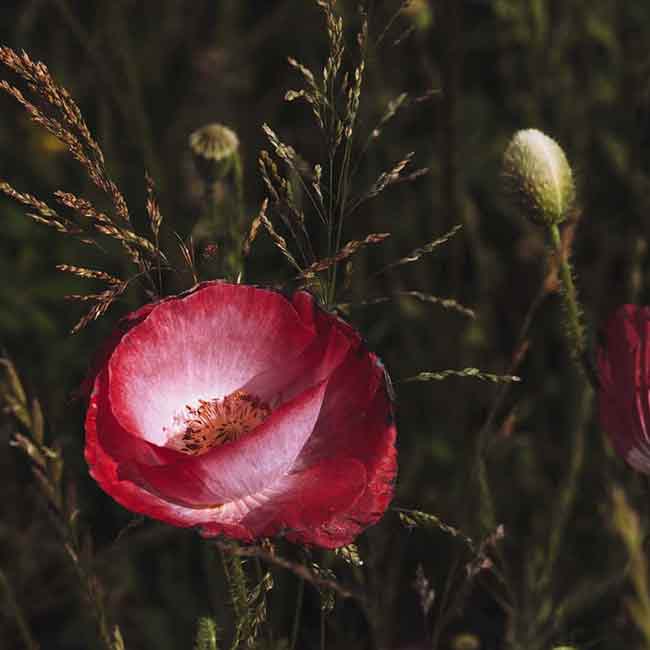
(350, 554)
(206, 635)
(249, 603)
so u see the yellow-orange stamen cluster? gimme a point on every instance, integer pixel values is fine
(218, 421)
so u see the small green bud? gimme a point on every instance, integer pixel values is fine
(538, 177)
(215, 148)
(466, 641)
(421, 13)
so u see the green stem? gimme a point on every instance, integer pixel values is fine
(330, 228)
(574, 328)
(226, 218)
(260, 577)
(237, 220)
(487, 516)
(567, 494)
(322, 629)
(90, 585)
(214, 219)
(298, 614)
(158, 264)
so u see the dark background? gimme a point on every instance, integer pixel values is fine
(145, 76)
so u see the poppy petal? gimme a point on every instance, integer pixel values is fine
(624, 374)
(203, 345)
(244, 467)
(295, 507)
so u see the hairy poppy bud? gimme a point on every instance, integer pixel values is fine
(538, 177)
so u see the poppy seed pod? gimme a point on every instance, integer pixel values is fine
(245, 413)
(214, 148)
(538, 178)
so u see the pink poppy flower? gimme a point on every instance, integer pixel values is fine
(245, 413)
(624, 373)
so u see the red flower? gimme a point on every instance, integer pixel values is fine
(624, 370)
(245, 413)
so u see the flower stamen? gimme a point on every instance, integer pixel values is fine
(217, 422)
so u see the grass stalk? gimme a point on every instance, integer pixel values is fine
(15, 609)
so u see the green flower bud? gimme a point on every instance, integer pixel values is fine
(538, 177)
(421, 13)
(466, 641)
(215, 148)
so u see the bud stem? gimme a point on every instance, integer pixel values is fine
(574, 329)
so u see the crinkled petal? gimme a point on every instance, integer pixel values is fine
(101, 358)
(244, 467)
(203, 345)
(355, 388)
(380, 463)
(293, 505)
(104, 468)
(259, 514)
(331, 344)
(370, 441)
(119, 443)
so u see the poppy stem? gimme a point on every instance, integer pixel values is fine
(574, 328)
(322, 629)
(298, 614)
(567, 492)
(260, 579)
